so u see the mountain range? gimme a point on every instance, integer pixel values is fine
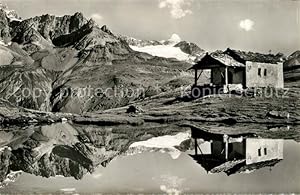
(174, 47)
(69, 52)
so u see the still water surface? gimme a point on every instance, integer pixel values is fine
(158, 172)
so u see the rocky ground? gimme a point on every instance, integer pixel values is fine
(224, 108)
(164, 108)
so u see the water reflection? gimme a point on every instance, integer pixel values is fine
(67, 150)
(235, 153)
(81, 153)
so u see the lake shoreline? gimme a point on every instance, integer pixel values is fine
(166, 109)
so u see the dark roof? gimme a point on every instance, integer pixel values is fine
(234, 58)
(214, 165)
(227, 60)
(207, 135)
(243, 56)
(242, 168)
(216, 60)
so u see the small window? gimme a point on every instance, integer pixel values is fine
(265, 151)
(259, 72)
(259, 152)
(265, 72)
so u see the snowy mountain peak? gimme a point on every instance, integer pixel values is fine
(174, 38)
(163, 144)
(137, 42)
(171, 48)
(11, 14)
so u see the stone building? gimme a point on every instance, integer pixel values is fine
(233, 68)
(234, 153)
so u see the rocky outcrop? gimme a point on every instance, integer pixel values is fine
(26, 87)
(13, 54)
(31, 40)
(37, 33)
(293, 60)
(12, 15)
(71, 39)
(190, 48)
(49, 26)
(292, 69)
(137, 42)
(4, 27)
(7, 16)
(104, 28)
(5, 154)
(134, 109)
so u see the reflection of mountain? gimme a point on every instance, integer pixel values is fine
(236, 153)
(164, 144)
(68, 150)
(50, 151)
(59, 149)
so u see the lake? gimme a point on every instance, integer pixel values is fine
(148, 165)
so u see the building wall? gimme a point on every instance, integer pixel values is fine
(274, 149)
(274, 77)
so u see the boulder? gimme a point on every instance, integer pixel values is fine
(278, 114)
(134, 109)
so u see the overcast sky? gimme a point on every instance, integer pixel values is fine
(256, 25)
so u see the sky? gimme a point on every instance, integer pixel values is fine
(251, 25)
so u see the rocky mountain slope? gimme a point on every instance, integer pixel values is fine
(293, 60)
(11, 14)
(292, 69)
(50, 55)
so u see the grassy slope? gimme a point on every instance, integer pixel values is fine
(166, 108)
(149, 76)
